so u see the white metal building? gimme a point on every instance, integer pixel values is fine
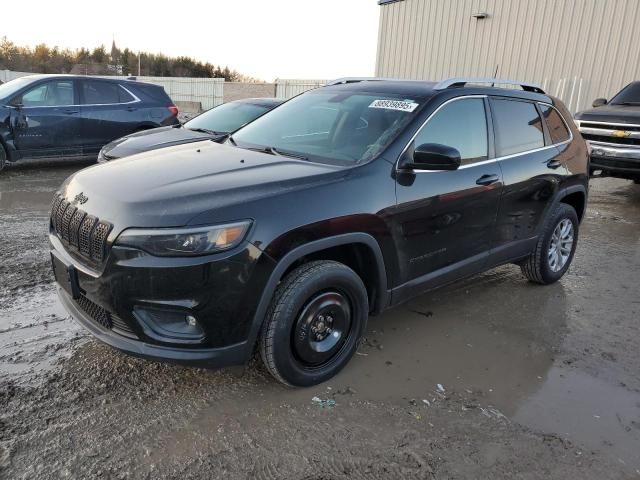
(576, 49)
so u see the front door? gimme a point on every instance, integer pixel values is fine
(444, 220)
(47, 120)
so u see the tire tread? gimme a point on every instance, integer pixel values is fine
(532, 266)
(285, 290)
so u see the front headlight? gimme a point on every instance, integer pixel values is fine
(181, 242)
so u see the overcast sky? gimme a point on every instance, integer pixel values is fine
(261, 38)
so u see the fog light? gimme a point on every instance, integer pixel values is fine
(169, 326)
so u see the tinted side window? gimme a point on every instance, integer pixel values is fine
(518, 127)
(49, 94)
(100, 93)
(557, 128)
(461, 124)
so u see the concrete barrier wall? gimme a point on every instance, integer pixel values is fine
(239, 90)
(207, 91)
(211, 92)
(7, 75)
(287, 88)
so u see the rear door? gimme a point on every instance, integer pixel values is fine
(532, 172)
(109, 112)
(48, 122)
(445, 219)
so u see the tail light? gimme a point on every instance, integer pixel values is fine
(173, 109)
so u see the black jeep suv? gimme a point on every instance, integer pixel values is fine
(340, 203)
(612, 130)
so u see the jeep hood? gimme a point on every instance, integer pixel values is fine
(612, 113)
(170, 186)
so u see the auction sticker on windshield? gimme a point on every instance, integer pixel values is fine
(402, 105)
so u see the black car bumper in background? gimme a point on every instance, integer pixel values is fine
(195, 310)
(615, 160)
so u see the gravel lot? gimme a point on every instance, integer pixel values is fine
(536, 382)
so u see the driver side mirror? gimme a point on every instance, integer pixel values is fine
(599, 102)
(434, 156)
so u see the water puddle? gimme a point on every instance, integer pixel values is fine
(35, 332)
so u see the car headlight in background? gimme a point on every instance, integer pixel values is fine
(185, 242)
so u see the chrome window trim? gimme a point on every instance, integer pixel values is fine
(565, 124)
(490, 160)
(135, 100)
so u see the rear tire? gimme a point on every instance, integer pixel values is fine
(317, 316)
(555, 248)
(3, 157)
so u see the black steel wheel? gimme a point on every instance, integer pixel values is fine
(312, 328)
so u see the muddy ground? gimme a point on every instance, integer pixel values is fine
(537, 382)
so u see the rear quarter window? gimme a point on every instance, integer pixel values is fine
(555, 124)
(100, 93)
(518, 126)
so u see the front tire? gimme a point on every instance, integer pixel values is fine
(555, 248)
(312, 328)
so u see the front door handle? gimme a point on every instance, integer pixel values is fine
(487, 179)
(553, 164)
(71, 112)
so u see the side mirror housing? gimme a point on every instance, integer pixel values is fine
(434, 156)
(599, 102)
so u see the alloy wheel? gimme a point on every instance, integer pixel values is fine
(561, 245)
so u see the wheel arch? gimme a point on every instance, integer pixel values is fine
(326, 249)
(576, 197)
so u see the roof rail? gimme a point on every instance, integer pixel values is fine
(340, 81)
(462, 81)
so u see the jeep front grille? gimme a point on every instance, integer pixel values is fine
(84, 233)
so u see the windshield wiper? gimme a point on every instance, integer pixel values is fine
(282, 153)
(278, 152)
(207, 131)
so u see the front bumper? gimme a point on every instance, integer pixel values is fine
(222, 291)
(211, 357)
(615, 159)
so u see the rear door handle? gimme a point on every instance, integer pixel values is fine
(553, 164)
(71, 112)
(487, 179)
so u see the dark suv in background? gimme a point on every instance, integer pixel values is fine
(50, 116)
(338, 204)
(214, 124)
(612, 128)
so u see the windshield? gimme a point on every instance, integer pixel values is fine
(629, 95)
(330, 126)
(228, 117)
(8, 89)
